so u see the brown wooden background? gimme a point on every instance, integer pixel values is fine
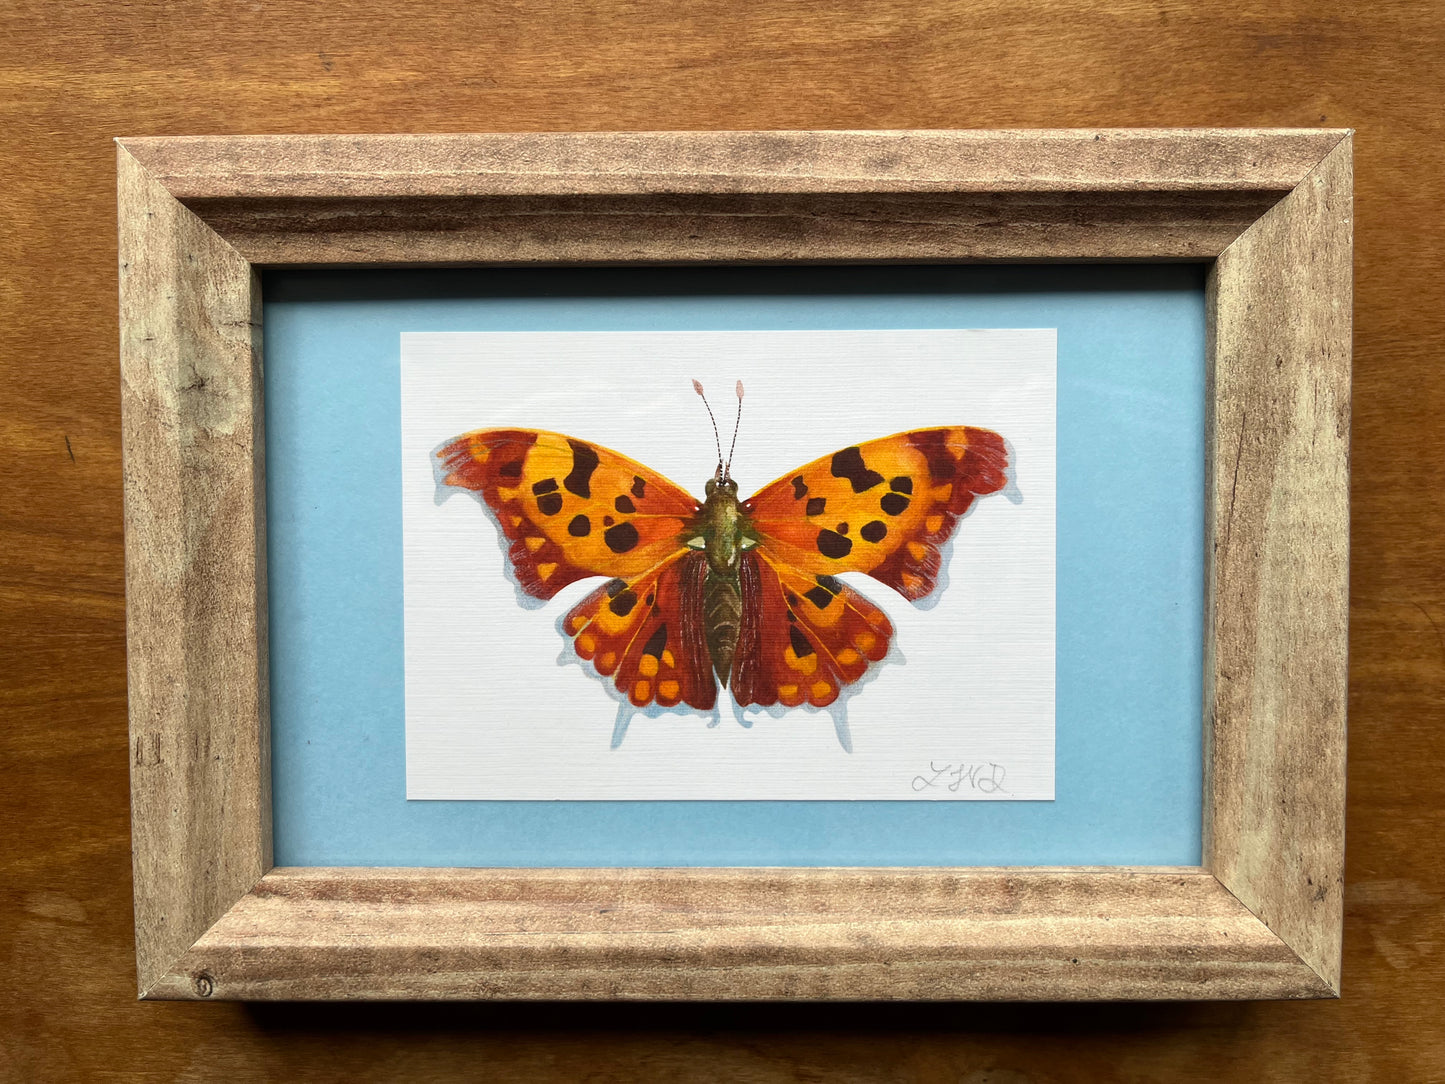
(73, 75)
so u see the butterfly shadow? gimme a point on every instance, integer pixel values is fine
(837, 710)
(504, 546)
(1010, 492)
(626, 709)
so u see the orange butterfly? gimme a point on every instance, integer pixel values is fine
(741, 593)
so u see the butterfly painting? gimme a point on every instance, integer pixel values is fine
(723, 593)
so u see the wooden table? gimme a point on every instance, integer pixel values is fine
(76, 75)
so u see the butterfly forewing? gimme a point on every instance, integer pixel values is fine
(883, 507)
(570, 508)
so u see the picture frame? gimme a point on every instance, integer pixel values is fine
(1261, 917)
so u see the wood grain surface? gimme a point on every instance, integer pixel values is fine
(74, 76)
(1159, 933)
(1278, 346)
(191, 401)
(1277, 591)
(735, 197)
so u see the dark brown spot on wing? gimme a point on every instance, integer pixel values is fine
(901, 484)
(580, 527)
(834, 545)
(849, 464)
(933, 443)
(546, 485)
(624, 504)
(875, 531)
(827, 588)
(800, 488)
(818, 597)
(639, 487)
(549, 504)
(801, 647)
(620, 538)
(894, 504)
(584, 462)
(656, 642)
(622, 604)
(816, 505)
(616, 587)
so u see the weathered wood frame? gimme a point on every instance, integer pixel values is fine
(1269, 210)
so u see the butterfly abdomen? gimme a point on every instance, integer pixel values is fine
(722, 616)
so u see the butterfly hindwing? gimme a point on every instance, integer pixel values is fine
(802, 637)
(646, 634)
(883, 507)
(570, 508)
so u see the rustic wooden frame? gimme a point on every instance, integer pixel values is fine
(1269, 210)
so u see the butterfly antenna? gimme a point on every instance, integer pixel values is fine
(727, 470)
(697, 387)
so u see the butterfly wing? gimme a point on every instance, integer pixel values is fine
(884, 507)
(802, 637)
(570, 509)
(646, 634)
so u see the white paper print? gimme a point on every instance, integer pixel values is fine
(500, 706)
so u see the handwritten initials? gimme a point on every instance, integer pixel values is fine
(985, 778)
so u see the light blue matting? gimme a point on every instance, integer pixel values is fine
(1130, 567)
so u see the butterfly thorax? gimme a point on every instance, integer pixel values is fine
(723, 531)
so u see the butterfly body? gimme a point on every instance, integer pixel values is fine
(724, 593)
(723, 532)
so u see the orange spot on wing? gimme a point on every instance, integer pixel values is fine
(933, 524)
(911, 583)
(586, 644)
(667, 659)
(545, 571)
(865, 640)
(806, 665)
(607, 663)
(668, 690)
(917, 550)
(579, 622)
(648, 666)
(848, 656)
(641, 692)
(534, 543)
(789, 695)
(823, 693)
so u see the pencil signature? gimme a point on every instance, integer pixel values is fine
(986, 778)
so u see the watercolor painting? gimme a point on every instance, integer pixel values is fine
(729, 564)
(740, 595)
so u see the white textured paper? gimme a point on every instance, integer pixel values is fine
(962, 708)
